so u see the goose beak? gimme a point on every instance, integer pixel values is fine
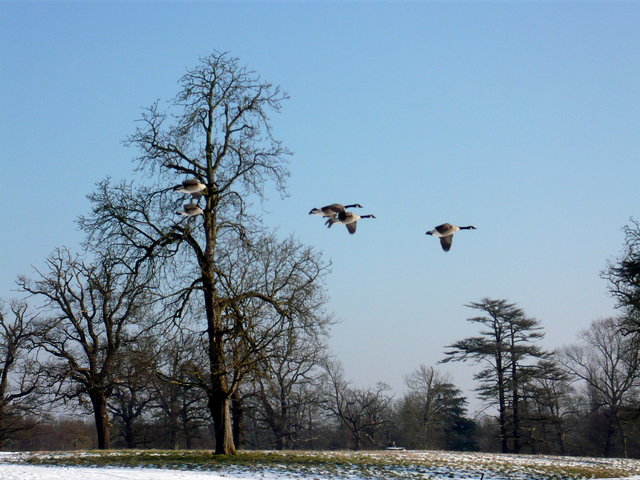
(428, 233)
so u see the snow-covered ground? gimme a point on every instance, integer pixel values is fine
(415, 465)
(36, 472)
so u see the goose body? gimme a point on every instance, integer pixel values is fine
(348, 219)
(190, 210)
(332, 210)
(191, 186)
(445, 233)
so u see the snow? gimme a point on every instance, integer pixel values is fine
(460, 468)
(34, 472)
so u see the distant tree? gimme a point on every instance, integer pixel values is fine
(609, 364)
(180, 404)
(432, 403)
(96, 310)
(623, 276)
(437, 408)
(133, 395)
(550, 399)
(18, 380)
(364, 412)
(505, 349)
(286, 388)
(56, 433)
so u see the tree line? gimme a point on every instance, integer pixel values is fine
(581, 399)
(211, 332)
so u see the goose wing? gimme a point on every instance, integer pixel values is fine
(334, 207)
(444, 228)
(445, 242)
(351, 227)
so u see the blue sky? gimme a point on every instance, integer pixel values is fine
(520, 118)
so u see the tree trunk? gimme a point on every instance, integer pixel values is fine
(219, 394)
(560, 439)
(101, 416)
(186, 422)
(502, 407)
(174, 442)
(623, 435)
(129, 434)
(219, 405)
(2, 414)
(557, 420)
(357, 440)
(608, 441)
(515, 407)
(237, 412)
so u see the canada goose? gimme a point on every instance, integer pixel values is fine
(348, 219)
(191, 186)
(332, 210)
(190, 210)
(445, 232)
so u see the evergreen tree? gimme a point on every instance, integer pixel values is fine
(504, 348)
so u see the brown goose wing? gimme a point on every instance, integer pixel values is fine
(445, 242)
(444, 228)
(351, 227)
(335, 207)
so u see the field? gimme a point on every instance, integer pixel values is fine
(271, 465)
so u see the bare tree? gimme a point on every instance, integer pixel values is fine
(18, 381)
(286, 387)
(96, 310)
(362, 411)
(222, 138)
(609, 364)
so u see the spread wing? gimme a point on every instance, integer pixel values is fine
(351, 227)
(445, 242)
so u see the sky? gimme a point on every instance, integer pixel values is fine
(521, 118)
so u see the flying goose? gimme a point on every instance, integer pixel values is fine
(332, 210)
(191, 186)
(190, 210)
(445, 232)
(348, 219)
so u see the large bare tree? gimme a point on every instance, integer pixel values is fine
(95, 310)
(216, 132)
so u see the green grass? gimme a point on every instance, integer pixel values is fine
(370, 465)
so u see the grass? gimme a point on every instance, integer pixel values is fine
(342, 464)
